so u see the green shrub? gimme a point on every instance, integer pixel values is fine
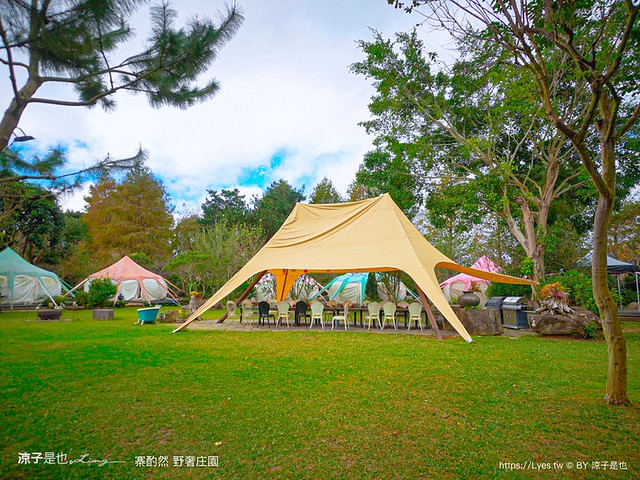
(628, 294)
(81, 298)
(61, 299)
(100, 292)
(508, 290)
(591, 330)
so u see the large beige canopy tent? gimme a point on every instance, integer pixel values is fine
(367, 236)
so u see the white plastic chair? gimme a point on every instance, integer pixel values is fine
(248, 313)
(330, 308)
(283, 313)
(389, 309)
(344, 317)
(317, 308)
(374, 314)
(415, 314)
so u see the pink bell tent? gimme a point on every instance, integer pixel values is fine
(134, 283)
(454, 287)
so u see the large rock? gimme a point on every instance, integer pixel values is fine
(581, 324)
(480, 321)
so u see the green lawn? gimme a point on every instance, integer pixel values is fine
(306, 404)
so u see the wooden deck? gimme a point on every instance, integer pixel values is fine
(628, 314)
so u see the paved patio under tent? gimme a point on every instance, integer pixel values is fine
(234, 325)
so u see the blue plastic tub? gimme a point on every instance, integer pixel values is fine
(148, 315)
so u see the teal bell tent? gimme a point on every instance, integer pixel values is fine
(22, 283)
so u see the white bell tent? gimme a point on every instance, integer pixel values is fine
(350, 287)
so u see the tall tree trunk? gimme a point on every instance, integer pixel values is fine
(538, 263)
(616, 390)
(9, 123)
(11, 117)
(528, 239)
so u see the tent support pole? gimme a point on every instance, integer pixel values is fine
(637, 291)
(46, 291)
(243, 295)
(427, 308)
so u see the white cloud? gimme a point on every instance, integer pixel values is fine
(285, 87)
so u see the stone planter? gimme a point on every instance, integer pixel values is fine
(103, 313)
(573, 324)
(49, 314)
(169, 317)
(468, 299)
(479, 322)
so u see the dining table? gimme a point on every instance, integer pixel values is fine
(356, 312)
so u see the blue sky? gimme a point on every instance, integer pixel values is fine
(288, 107)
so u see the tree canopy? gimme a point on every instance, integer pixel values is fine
(273, 208)
(325, 192)
(600, 41)
(468, 137)
(131, 216)
(31, 222)
(228, 205)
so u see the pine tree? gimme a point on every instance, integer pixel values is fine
(325, 192)
(77, 42)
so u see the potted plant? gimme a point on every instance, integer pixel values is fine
(195, 301)
(469, 297)
(49, 313)
(100, 296)
(554, 299)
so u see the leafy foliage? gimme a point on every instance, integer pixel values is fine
(583, 58)
(81, 298)
(508, 290)
(31, 221)
(473, 132)
(227, 206)
(325, 192)
(383, 172)
(273, 208)
(578, 285)
(132, 216)
(52, 174)
(624, 234)
(215, 255)
(371, 288)
(101, 291)
(78, 42)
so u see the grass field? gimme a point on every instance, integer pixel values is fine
(306, 404)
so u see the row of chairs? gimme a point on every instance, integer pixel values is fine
(389, 315)
(265, 314)
(318, 315)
